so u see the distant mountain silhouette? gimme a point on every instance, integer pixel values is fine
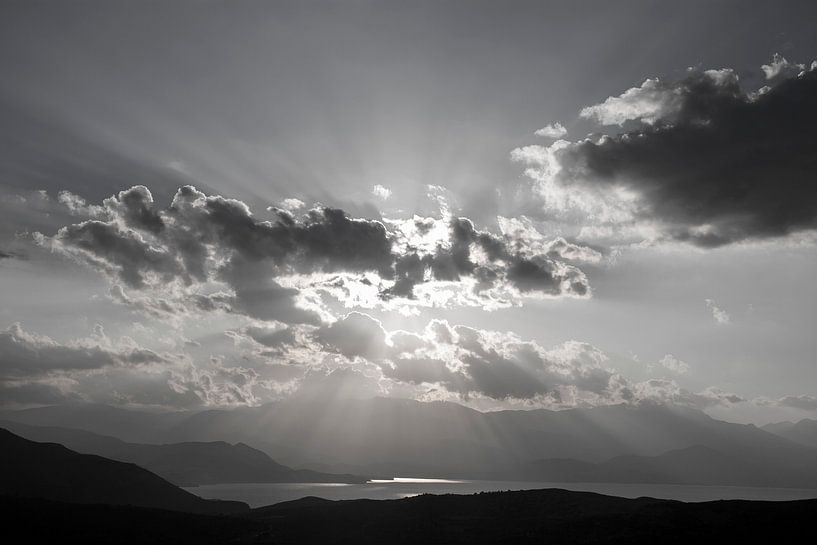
(556, 517)
(50, 471)
(184, 464)
(398, 437)
(696, 465)
(127, 424)
(803, 432)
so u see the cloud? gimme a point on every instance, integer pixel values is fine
(290, 205)
(36, 369)
(354, 355)
(468, 361)
(668, 392)
(448, 253)
(721, 316)
(524, 238)
(802, 402)
(701, 161)
(24, 354)
(780, 67)
(381, 192)
(354, 335)
(673, 364)
(553, 130)
(497, 369)
(652, 101)
(279, 269)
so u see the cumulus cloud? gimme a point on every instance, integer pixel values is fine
(445, 361)
(469, 362)
(673, 364)
(553, 130)
(780, 67)
(721, 316)
(523, 236)
(701, 161)
(354, 355)
(279, 269)
(290, 205)
(451, 250)
(381, 192)
(652, 101)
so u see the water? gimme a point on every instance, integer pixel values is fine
(261, 494)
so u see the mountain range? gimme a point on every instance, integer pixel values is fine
(803, 432)
(184, 464)
(394, 437)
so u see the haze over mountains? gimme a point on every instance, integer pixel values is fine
(803, 431)
(391, 437)
(53, 494)
(184, 464)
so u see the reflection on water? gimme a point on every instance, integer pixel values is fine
(402, 487)
(415, 480)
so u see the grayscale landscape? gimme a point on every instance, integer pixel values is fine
(439, 271)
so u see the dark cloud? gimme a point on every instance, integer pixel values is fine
(258, 295)
(135, 208)
(709, 162)
(201, 238)
(129, 255)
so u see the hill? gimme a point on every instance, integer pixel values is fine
(535, 516)
(50, 471)
(184, 464)
(556, 517)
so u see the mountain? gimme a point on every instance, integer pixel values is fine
(695, 465)
(127, 424)
(803, 432)
(556, 517)
(398, 437)
(184, 464)
(50, 471)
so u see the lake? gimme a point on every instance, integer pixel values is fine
(259, 494)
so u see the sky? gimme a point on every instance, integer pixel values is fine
(506, 205)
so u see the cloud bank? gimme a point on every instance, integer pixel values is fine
(698, 160)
